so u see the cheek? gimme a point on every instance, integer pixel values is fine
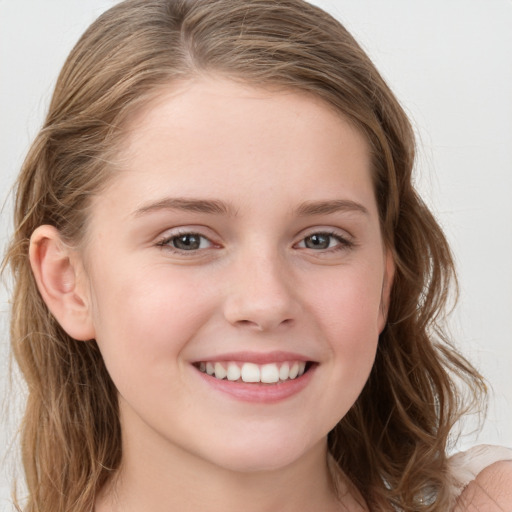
(349, 303)
(348, 314)
(146, 320)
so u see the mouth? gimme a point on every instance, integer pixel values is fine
(249, 372)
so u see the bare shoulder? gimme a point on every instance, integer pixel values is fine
(491, 491)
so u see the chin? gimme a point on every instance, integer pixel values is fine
(253, 457)
(256, 464)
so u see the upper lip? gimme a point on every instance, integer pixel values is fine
(256, 357)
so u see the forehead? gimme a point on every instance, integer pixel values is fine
(223, 135)
(211, 105)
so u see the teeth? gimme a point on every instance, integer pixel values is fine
(250, 372)
(294, 370)
(270, 373)
(233, 371)
(284, 371)
(220, 371)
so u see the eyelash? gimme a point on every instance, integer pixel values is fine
(343, 243)
(166, 243)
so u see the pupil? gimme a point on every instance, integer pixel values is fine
(187, 242)
(317, 242)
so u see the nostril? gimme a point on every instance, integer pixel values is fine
(264, 324)
(248, 323)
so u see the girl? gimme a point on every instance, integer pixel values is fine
(227, 289)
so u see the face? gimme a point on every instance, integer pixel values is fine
(236, 274)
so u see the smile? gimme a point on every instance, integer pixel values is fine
(270, 373)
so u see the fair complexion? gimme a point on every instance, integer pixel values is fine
(240, 234)
(491, 491)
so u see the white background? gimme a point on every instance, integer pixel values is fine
(450, 64)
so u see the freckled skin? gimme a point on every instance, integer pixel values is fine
(255, 283)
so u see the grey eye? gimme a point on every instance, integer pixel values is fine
(187, 242)
(318, 241)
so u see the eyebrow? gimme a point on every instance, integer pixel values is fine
(212, 206)
(327, 207)
(188, 205)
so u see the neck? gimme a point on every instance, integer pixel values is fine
(177, 481)
(159, 475)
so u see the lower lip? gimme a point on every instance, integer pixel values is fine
(258, 392)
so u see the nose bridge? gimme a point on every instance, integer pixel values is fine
(260, 293)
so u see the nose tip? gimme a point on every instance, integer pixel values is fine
(261, 298)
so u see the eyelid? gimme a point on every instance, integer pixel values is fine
(346, 241)
(164, 240)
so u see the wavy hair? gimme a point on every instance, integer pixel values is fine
(392, 443)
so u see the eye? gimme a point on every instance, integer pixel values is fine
(186, 242)
(324, 241)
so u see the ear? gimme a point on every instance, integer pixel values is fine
(387, 285)
(56, 270)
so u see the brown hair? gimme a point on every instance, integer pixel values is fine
(392, 443)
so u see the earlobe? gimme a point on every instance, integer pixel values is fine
(387, 285)
(54, 266)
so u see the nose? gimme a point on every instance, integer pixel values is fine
(260, 294)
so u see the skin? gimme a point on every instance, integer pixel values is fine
(254, 285)
(491, 491)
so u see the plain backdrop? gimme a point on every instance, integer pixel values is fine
(450, 64)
